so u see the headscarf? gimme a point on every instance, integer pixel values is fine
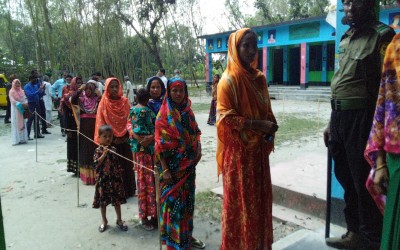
(68, 91)
(177, 133)
(17, 93)
(112, 112)
(242, 93)
(89, 103)
(155, 104)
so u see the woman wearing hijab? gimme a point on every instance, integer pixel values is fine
(245, 130)
(156, 88)
(383, 151)
(213, 107)
(19, 134)
(178, 148)
(114, 110)
(86, 101)
(72, 150)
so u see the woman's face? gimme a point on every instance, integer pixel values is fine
(17, 84)
(216, 78)
(155, 89)
(79, 82)
(113, 89)
(177, 94)
(248, 49)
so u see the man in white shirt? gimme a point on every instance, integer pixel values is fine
(128, 90)
(161, 74)
(96, 77)
(48, 102)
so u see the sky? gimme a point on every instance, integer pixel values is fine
(213, 14)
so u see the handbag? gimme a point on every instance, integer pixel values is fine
(27, 114)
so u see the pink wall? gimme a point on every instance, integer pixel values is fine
(207, 68)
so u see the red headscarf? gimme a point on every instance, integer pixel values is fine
(112, 112)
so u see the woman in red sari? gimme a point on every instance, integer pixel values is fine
(114, 110)
(245, 129)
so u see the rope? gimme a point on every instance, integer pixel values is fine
(74, 130)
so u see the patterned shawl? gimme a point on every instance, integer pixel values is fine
(241, 93)
(112, 112)
(177, 133)
(155, 104)
(385, 134)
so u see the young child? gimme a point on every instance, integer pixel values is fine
(142, 142)
(109, 186)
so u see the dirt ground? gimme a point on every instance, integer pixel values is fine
(41, 208)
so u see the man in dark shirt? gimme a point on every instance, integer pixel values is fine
(354, 93)
(34, 90)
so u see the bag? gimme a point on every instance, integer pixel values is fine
(27, 114)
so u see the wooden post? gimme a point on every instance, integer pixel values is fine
(157, 180)
(77, 166)
(36, 133)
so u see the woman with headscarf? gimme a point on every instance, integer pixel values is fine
(72, 150)
(114, 110)
(212, 116)
(86, 101)
(19, 133)
(245, 130)
(383, 151)
(156, 88)
(178, 148)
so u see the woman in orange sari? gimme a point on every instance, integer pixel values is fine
(114, 110)
(245, 128)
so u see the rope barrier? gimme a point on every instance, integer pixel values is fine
(74, 130)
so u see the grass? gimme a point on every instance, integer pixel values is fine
(292, 128)
(200, 107)
(208, 206)
(195, 91)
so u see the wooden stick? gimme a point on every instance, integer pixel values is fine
(157, 180)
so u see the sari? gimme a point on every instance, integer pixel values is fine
(177, 138)
(19, 133)
(243, 154)
(72, 139)
(115, 113)
(86, 107)
(385, 136)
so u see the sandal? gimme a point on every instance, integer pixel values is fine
(122, 226)
(102, 228)
(198, 243)
(148, 227)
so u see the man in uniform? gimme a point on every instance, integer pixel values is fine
(354, 93)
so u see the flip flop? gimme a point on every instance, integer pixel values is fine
(148, 227)
(122, 226)
(102, 228)
(198, 243)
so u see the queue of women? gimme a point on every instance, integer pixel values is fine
(161, 130)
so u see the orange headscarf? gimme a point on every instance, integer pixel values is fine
(241, 93)
(112, 112)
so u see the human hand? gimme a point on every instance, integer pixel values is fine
(82, 87)
(147, 140)
(268, 127)
(97, 92)
(381, 179)
(198, 153)
(327, 133)
(167, 176)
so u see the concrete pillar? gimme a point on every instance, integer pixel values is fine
(265, 61)
(208, 67)
(303, 65)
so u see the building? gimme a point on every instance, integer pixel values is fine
(299, 52)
